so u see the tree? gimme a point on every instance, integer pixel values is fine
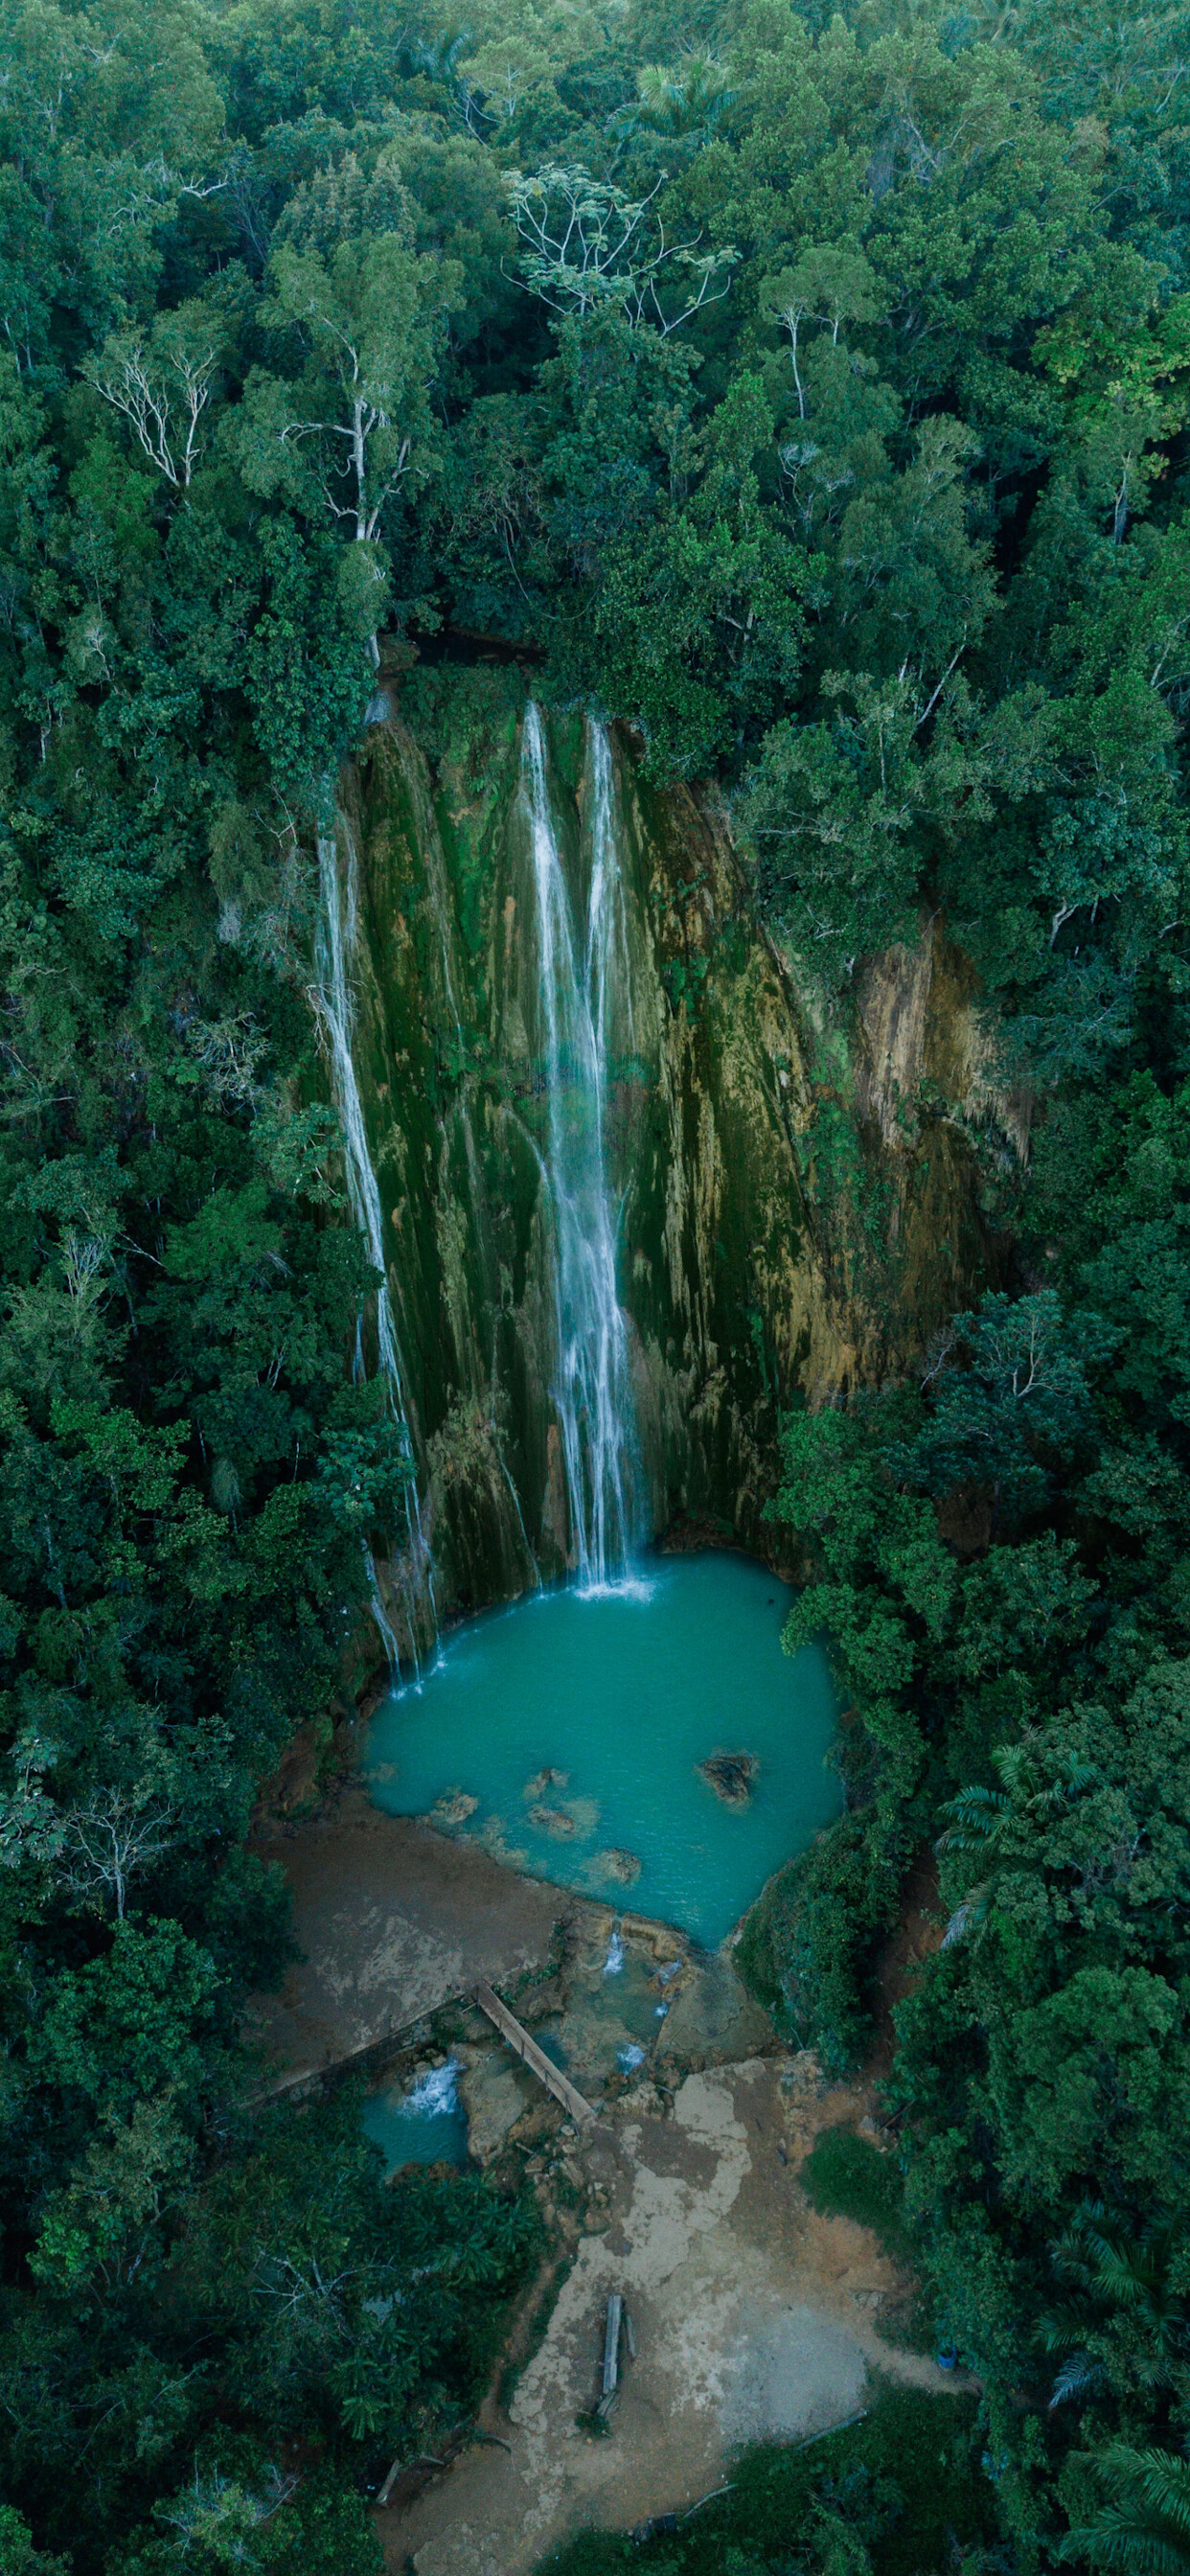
(590, 248)
(1143, 2526)
(682, 101)
(111, 1841)
(1012, 1399)
(829, 284)
(20, 2558)
(366, 315)
(163, 382)
(1122, 2324)
(989, 1821)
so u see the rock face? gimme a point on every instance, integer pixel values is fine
(495, 2094)
(791, 1218)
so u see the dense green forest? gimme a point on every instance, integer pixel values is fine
(807, 388)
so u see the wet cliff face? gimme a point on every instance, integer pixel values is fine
(789, 1216)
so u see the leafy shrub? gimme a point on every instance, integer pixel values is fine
(808, 1943)
(893, 2493)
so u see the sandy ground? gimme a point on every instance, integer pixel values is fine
(754, 2317)
(393, 1919)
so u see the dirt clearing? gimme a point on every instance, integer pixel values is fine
(753, 2317)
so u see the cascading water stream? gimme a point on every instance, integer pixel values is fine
(592, 1391)
(607, 934)
(440, 906)
(335, 942)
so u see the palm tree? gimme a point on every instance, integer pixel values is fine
(686, 99)
(1144, 2526)
(984, 1819)
(1125, 2322)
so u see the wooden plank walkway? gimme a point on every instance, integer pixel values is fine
(534, 2057)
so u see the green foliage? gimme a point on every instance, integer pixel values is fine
(996, 1561)
(341, 2301)
(893, 2495)
(1144, 2522)
(20, 2558)
(809, 389)
(844, 2173)
(808, 1944)
(189, 1484)
(241, 2511)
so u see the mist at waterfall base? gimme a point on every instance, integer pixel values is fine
(576, 1725)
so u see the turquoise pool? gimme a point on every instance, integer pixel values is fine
(565, 1734)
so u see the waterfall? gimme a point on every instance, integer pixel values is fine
(334, 948)
(607, 933)
(592, 1391)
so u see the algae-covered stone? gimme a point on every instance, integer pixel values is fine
(545, 1780)
(553, 1821)
(453, 1807)
(730, 1775)
(621, 1867)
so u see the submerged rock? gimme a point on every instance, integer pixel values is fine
(583, 1814)
(495, 1841)
(730, 1775)
(554, 1821)
(543, 1780)
(622, 1866)
(453, 1807)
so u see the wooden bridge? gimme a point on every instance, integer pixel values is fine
(534, 2057)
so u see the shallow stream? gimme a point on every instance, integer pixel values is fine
(566, 1733)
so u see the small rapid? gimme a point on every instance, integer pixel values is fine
(423, 2125)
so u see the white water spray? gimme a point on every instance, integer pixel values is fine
(592, 1391)
(607, 931)
(334, 948)
(435, 2092)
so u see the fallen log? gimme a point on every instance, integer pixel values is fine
(611, 2342)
